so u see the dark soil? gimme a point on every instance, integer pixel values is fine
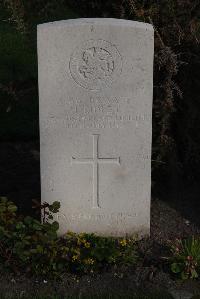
(173, 215)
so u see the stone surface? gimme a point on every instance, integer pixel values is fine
(95, 89)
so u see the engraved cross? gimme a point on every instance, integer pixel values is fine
(95, 161)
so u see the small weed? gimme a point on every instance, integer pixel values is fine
(185, 260)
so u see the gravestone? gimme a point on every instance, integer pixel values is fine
(95, 90)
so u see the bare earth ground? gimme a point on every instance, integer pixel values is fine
(176, 217)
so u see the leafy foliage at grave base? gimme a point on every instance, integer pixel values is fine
(185, 260)
(27, 245)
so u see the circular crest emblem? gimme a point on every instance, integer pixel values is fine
(95, 64)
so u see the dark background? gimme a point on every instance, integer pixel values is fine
(176, 106)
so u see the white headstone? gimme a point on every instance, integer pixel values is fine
(95, 89)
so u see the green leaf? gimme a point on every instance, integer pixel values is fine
(194, 274)
(28, 220)
(12, 208)
(184, 275)
(39, 249)
(55, 225)
(55, 207)
(176, 268)
(3, 199)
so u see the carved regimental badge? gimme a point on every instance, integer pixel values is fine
(95, 64)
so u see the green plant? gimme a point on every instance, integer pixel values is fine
(185, 259)
(88, 252)
(25, 242)
(29, 245)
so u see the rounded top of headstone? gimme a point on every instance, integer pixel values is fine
(97, 21)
